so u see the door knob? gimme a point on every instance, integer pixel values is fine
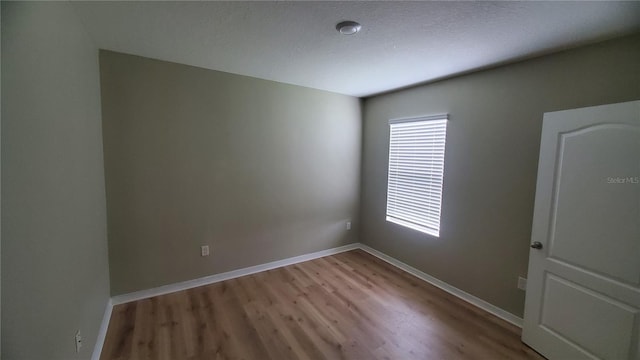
(537, 245)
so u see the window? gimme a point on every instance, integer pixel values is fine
(416, 168)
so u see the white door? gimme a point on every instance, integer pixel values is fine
(583, 294)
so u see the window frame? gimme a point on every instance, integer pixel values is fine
(436, 156)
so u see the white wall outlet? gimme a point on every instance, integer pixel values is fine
(204, 250)
(348, 225)
(522, 283)
(78, 341)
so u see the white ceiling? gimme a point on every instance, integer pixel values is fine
(400, 44)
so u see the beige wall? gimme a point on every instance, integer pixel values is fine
(490, 163)
(257, 170)
(55, 276)
(0, 191)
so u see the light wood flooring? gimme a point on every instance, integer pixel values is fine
(346, 306)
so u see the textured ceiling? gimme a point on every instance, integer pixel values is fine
(400, 44)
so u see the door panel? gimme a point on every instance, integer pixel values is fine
(583, 294)
(590, 206)
(598, 324)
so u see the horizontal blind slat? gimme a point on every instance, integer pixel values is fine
(415, 210)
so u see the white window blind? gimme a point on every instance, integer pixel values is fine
(416, 169)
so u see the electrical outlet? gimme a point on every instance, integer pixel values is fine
(78, 341)
(348, 225)
(522, 283)
(204, 250)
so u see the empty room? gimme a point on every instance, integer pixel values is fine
(320, 180)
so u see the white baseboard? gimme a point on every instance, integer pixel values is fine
(102, 332)
(492, 309)
(189, 284)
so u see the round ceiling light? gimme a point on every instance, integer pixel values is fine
(348, 27)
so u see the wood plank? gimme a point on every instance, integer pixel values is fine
(345, 306)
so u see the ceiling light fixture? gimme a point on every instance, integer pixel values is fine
(348, 27)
